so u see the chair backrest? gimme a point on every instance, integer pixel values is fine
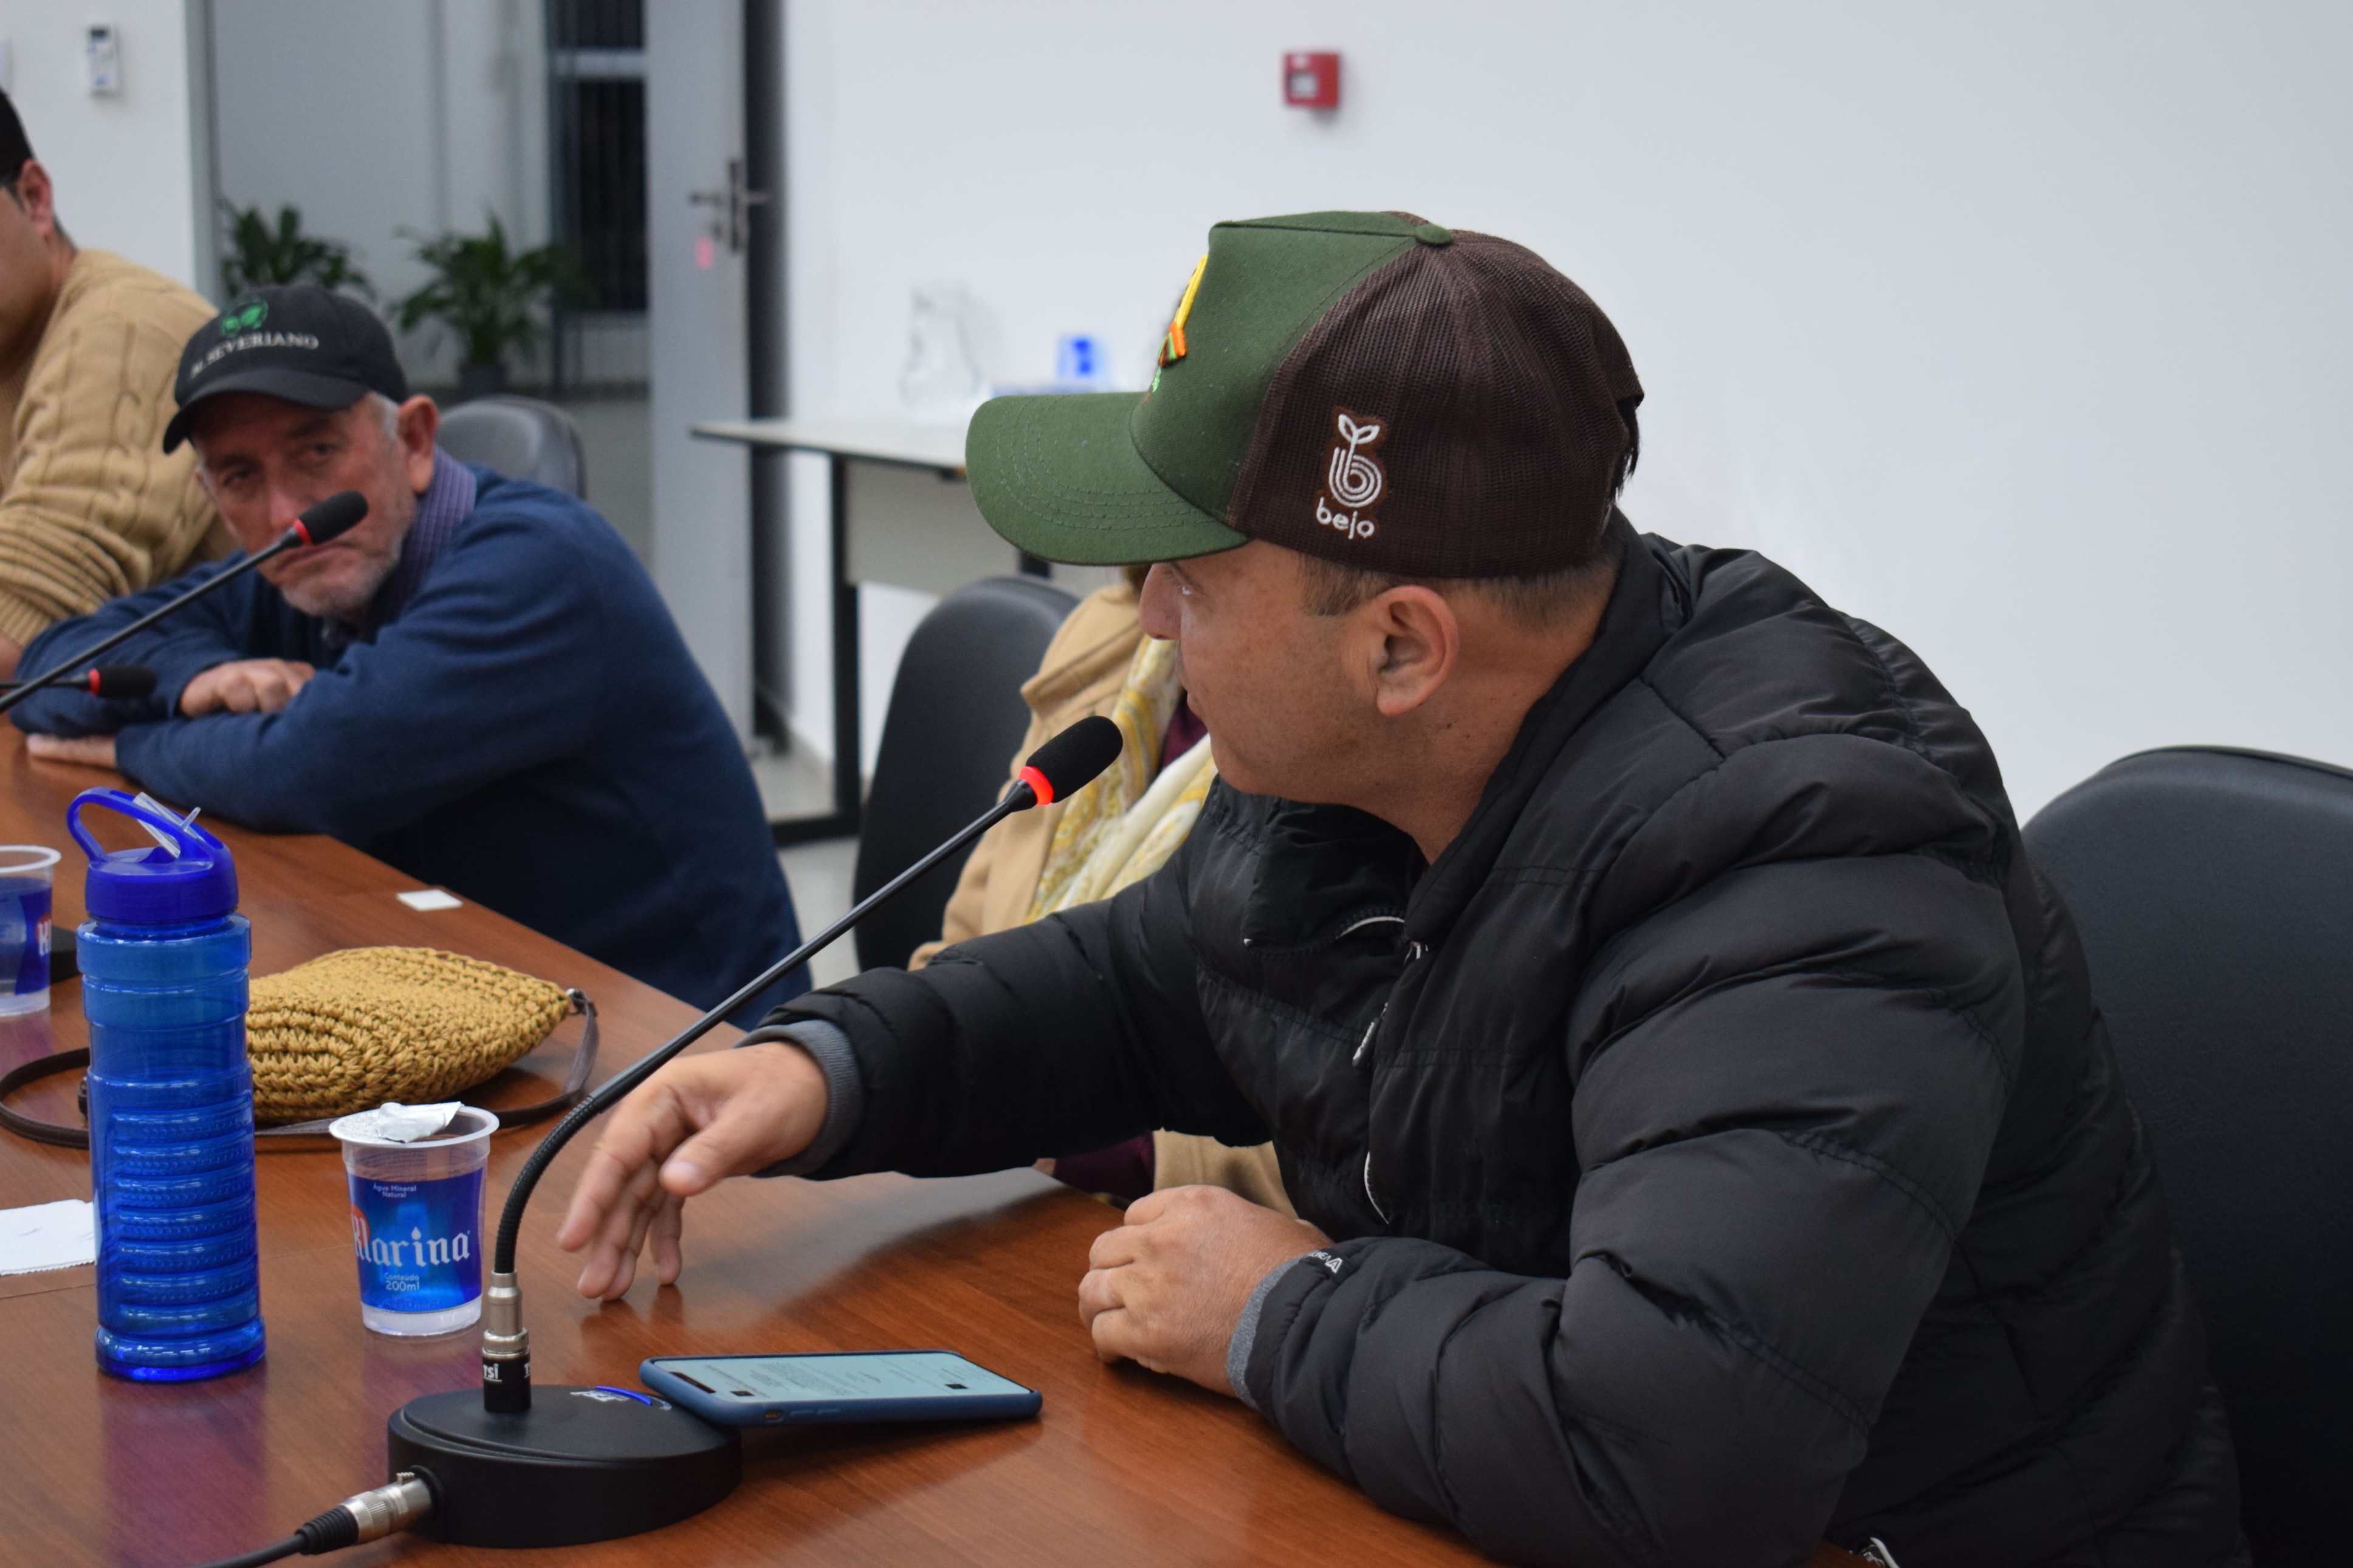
(956, 717)
(521, 437)
(2214, 892)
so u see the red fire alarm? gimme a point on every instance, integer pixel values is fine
(1310, 81)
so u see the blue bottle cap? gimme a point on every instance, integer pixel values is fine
(186, 875)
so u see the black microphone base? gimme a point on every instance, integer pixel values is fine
(581, 1465)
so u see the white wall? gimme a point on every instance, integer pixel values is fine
(383, 120)
(2019, 328)
(123, 164)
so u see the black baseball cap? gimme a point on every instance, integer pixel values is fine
(295, 340)
(1363, 387)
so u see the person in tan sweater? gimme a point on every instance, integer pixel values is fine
(90, 507)
(1086, 669)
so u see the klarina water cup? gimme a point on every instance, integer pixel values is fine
(25, 873)
(416, 1178)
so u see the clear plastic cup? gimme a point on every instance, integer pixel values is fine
(417, 1223)
(26, 872)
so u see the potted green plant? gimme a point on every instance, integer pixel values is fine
(490, 298)
(261, 252)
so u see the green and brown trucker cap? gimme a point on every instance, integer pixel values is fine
(1362, 387)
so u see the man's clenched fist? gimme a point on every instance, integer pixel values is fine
(245, 686)
(1166, 1289)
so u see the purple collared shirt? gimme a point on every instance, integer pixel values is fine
(445, 503)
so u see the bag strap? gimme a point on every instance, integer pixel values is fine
(575, 1084)
(33, 1127)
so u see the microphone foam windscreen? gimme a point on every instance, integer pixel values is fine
(337, 515)
(125, 682)
(1070, 760)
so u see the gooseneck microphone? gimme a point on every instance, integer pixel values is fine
(590, 1464)
(326, 520)
(122, 682)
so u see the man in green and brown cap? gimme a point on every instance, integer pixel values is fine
(1703, 1136)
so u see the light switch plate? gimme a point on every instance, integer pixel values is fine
(103, 61)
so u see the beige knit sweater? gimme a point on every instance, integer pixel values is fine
(89, 506)
(1083, 672)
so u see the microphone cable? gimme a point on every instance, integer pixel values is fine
(355, 1521)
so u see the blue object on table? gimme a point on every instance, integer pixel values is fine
(163, 958)
(24, 871)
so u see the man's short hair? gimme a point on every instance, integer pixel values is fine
(16, 149)
(1536, 603)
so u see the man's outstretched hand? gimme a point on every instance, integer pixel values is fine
(698, 1120)
(90, 751)
(1166, 1289)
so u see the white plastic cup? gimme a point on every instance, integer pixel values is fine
(27, 872)
(416, 1225)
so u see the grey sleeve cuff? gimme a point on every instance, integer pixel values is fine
(1237, 1349)
(844, 1104)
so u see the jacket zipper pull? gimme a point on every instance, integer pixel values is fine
(1368, 1189)
(1413, 954)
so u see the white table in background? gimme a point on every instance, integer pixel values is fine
(937, 552)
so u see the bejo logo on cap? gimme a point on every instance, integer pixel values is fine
(1353, 479)
(244, 318)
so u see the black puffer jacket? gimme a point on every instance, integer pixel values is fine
(1724, 1146)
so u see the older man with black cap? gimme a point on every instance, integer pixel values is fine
(90, 505)
(478, 683)
(1705, 1140)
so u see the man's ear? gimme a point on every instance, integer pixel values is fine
(1419, 641)
(420, 422)
(38, 198)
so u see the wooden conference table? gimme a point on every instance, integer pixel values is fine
(1123, 1467)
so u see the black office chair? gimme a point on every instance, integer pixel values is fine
(956, 717)
(2214, 891)
(521, 437)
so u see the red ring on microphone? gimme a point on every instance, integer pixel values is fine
(93, 683)
(301, 530)
(1038, 786)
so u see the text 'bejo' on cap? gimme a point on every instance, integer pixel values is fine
(1368, 387)
(294, 340)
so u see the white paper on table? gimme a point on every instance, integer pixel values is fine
(427, 900)
(47, 1236)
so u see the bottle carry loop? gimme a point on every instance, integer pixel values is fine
(186, 875)
(176, 836)
(575, 1084)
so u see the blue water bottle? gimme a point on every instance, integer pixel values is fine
(163, 959)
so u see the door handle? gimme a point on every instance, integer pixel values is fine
(732, 203)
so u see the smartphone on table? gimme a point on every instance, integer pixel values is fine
(836, 1386)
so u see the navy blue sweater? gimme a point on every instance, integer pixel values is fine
(528, 731)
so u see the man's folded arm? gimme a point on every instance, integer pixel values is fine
(1776, 1157)
(1057, 1038)
(215, 629)
(496, 666)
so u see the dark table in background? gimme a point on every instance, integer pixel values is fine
(1123, 1469)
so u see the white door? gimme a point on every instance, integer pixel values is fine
(696, 324)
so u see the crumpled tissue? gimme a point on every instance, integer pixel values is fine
(393, 1122)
